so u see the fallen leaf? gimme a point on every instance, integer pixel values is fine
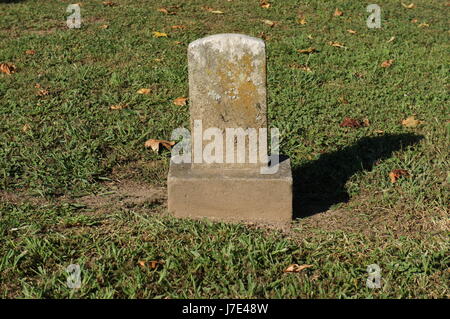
(411, 122)
(26, 127)
(310, 37)
(43, 92)
(300, 67)
(395, 174)
(296, 268)
(118, 107)
(343, 100)
(153, 264)
(424, 25)
(178, 27)
(7, 68)
(109, 3)
(387, 63)
(269, 22)
(353, 123)
(165, 11)
(143, 91)
(366, 122)
(352, 31)
(37, 86)
(414, 20)
(30, 52)
(154, 144)
(359, 75)
(177, 42)
(302, 21)
(157, 34)
(104, 26)
(308, 51)
(264, 4)
(390, 40)
(209, 9)
(408, 6)
(379, 131)
(336, 44)
(181, 101)
(338, 13)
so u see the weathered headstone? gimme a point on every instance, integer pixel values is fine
(225, 178)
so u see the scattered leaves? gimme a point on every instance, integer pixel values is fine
(408, 6)
(411, 121)
(387, 63)
(30, 52)
(424, 25)
(154, 144)
(296, 268)
(7, 68)
(118, 106)
(157, 34)
(144, 91)
(352, 31)
(395, 174)
(338, 13)
(308, 51)
(181, 101)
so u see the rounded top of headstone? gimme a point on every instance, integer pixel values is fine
(226, 41)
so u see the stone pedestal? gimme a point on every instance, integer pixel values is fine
(232, 194)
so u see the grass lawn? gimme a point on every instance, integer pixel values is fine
(77, 185)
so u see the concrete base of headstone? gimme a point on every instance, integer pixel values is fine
(231, 195)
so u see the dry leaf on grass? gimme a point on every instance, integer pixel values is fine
(166, 11)
(307, 51)
(354, 123)
(109, 3)
(414, 20)
(352, 31)
(30, 52)
(153, 264)
(143, 91)
(395, 174)
(118, 107)
(157, 34)
(387, 63)
(424, 25)
(338, 13)
(408, 6)
(270, 23)
(302, 67)
(179, 27)
(154, 144)
(296, 268)
(181, 101)
(301, 21)
(390, 40)
(103, 26)
(43, 92)
(7, 68)
(336, 44)
(411, 121)
(264, 4)
(26, 127)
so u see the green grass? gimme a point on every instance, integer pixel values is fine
(62, 180)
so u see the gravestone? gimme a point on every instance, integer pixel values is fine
(227, 177)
